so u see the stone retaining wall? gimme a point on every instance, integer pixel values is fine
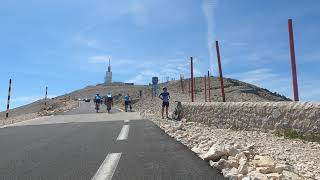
(302, 117)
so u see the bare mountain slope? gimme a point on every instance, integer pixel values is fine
(235, 91)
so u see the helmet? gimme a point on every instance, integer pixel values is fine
(97, 94)
(164, 88)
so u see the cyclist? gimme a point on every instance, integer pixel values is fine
(97, 101)
(126, 102)
(109, 102)
(164, 96)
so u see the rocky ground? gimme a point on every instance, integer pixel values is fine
(38, 109)
(240, 154)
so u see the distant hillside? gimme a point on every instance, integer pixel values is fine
(235, 91)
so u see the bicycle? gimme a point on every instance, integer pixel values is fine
(97, 107)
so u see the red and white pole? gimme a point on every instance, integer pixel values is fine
(194, 87)
(205, 88)
(220, 71)
(189, 88)
(293, 62)
(209, 91)
(192, 81)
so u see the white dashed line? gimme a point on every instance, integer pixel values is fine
(126, 121)
(124, 133)
(108, 167)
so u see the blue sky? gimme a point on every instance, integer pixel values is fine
(65, 44)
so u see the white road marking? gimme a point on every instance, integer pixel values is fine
(108, 167)
(126, 121)
(120, 110)
(123, 133)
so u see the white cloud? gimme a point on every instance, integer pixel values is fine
(99, 59)
(255, 76)
(139, 13)
(164, 67)
(142, 77)
(209, 10)
(85, 41)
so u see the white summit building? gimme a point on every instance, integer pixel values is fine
(108, 78)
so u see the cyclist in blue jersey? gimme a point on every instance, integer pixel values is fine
(126, 102)
(97, 101)
(165, 97)
(109, 102)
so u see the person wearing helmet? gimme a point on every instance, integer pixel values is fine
(97, 101)
(109, 102)
(126, 102)
(164, 96)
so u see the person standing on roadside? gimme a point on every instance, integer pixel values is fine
(165, 97)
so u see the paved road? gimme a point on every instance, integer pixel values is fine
(117, 146)
(89, 108)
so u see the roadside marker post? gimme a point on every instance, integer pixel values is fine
(293, 62)
(220, 71)
(45, 97)
(194, 87)
(181, 83)
(189, 91)
(8, 102)
(209, 91)
(205, 88)
(192, 81)
(185, 86)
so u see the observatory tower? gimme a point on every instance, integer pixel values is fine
(108, 78)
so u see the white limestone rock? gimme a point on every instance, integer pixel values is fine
(214, 153)
(243, 166)
(196, 150)
(266, 169)
(232, 174)
(241, 155)
(275, 176)
(263, 161)
(233, 163)
(232, 151)
(221, 164)
(254, 175)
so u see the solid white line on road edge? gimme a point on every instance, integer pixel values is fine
(123, 133)
(108, 167)
(126, 121)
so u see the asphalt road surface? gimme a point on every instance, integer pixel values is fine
(89, 108)
(117, 146)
